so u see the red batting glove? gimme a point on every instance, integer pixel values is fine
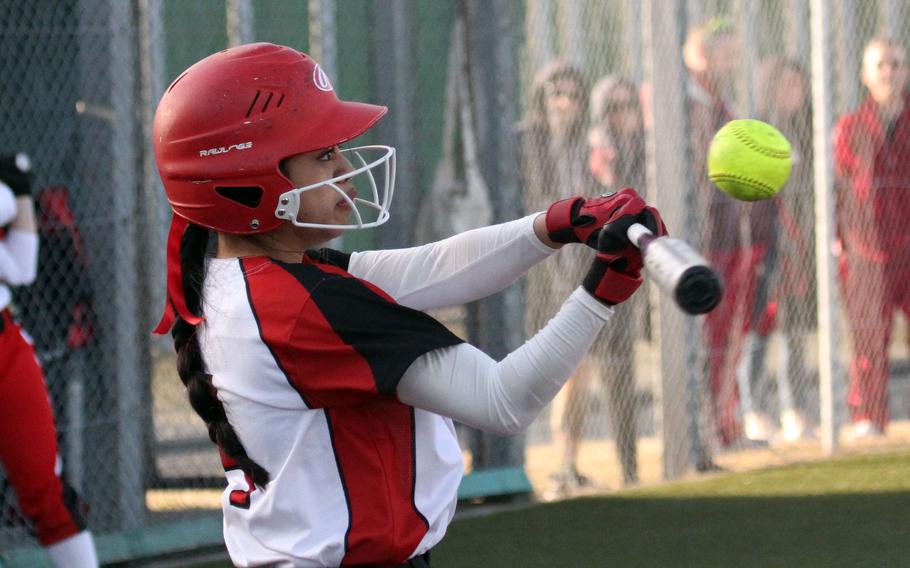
(579, 220)
(615, 273)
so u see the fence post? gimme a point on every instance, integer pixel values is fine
(491, 29)
(663, 22)
(822, 103)
(323, 44)
(124, 366)
(238, 17)
(394, 85)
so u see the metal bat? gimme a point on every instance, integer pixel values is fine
(678, 270)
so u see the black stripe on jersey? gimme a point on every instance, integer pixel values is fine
(249, 299)
(387, 335)
(344, 483)
(331, 257)
(426, 523)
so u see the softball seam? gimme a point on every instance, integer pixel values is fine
(715, 177)
(743, 137)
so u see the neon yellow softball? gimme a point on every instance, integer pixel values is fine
(749, 159)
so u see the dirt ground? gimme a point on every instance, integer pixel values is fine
(598, 459)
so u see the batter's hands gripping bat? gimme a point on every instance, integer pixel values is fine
(678, 270)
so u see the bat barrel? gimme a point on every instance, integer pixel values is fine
(699, 290)
(678, 270)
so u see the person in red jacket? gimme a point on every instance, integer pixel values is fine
(872, 148)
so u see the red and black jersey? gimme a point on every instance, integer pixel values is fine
(306, 359)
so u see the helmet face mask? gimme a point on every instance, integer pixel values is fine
(370, 207)
(224, 126)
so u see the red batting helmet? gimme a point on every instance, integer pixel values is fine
(224, 126)
(221, 131)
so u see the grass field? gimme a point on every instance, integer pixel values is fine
(847, 512)
(851, 512)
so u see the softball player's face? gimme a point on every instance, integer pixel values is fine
(322, 205)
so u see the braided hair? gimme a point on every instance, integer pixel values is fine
(190, 366)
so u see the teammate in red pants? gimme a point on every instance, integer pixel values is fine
(872, 150)
(733, 237)
(28, 441)
(725, 329)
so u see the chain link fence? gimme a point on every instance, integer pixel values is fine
(629, 94)
(598, 95)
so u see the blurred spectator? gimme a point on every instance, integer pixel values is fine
(617, 125)
(28, 441)
(617, 160)
(785, 296)
(872, 148)
(552, 137)
(732, 234)
(554, 154)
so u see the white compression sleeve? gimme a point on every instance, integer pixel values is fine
(503, 397)
(18, 258)
(457, 270)
(7, 204)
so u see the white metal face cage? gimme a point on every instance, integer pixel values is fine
(377, 203)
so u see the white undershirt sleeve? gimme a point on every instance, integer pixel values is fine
(457, 270)
(18, 258)
(504, 397)
(7, 205)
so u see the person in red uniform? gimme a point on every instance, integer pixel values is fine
(329, 391)
(28, 440)
(733, 235)
(872, 148)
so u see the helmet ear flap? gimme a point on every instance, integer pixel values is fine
(249, 196)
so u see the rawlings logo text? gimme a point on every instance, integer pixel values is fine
(225, 149)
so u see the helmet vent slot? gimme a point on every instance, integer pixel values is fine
(247, 196)
(265, 105)
(252, 104)
(267, 101)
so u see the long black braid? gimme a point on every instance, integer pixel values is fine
(190, 367)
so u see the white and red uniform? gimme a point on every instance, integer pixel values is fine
(28, 440)
(344, 391)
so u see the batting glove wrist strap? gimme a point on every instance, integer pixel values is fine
(609, 285)
(559, 220)
(579, 220)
